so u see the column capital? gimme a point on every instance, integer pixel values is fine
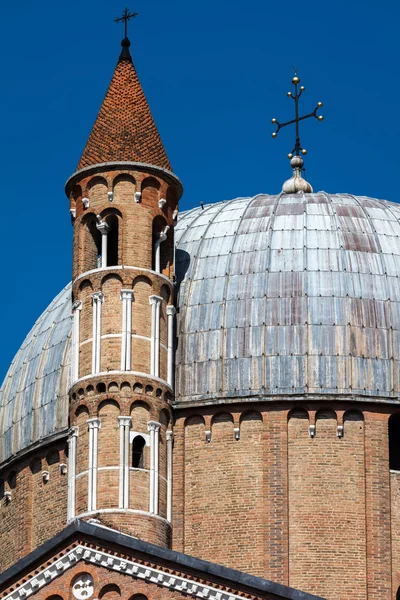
(171, 310)
(155, 299)
(124, 421)
(169, 435)
(103, 227)
(94, 423)
(97, 297)
(77, 305)
(73, 432)
(153, 426)
(126, 294)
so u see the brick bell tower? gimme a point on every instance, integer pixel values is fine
(123, 202)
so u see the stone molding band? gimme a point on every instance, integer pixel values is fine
(120, 565)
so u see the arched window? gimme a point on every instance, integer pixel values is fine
(112, 241)
(138, 446)
(91, 246)
(160, 244)
(394, 443)
(398, 594)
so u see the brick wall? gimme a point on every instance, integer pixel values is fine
(223, 491)
(316, 518)
(38, 509)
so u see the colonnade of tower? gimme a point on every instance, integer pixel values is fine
(123, 213)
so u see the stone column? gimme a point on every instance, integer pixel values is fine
(104, 229)
(126, 341)
(97, 299)
(170, 314)
(73, 434)
(170, 440)
(94, 425)
(124, 424)
(154, 429)
(155, 302)
(76, 312)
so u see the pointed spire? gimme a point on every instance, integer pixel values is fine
(124, 129)
(125, 53)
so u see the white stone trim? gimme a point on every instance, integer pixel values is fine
(155, 302)
(149, 574)
(124, 424)
(73, 434)
(154, 429)
(145, 436)
(161, 237)
(170, 367)
(94, 426)
(170, 439)
(132, 373)
(121, 268)
(76, 313)
(104, 228)
(126, 343)
(97, 299)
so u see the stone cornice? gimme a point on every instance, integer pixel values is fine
(120, 565)
(123, 166)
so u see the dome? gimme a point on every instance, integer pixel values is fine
(34, 394)
(279, 296)
(288, 295)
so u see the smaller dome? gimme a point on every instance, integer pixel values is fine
(34, 394)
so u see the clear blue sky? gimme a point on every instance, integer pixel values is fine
(214, 73)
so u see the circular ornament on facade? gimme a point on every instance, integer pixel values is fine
(83, 586)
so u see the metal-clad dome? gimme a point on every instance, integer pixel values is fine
(288, 295)
(34, 394)
(278, 296)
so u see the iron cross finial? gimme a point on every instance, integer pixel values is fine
(297, 148)
(126, 16)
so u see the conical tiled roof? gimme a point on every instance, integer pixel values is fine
(124, 129)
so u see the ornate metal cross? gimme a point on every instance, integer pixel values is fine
(296, 96)
(126, 16)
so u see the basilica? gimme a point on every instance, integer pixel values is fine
(210, 409)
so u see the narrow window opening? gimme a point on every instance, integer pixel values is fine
(93, 248)
(398, 594)
(138, 446)
(112, 241)
(394, 443)
(160, 245)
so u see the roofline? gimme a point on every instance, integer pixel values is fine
(42, 443)
(111, 536)
(99, 167)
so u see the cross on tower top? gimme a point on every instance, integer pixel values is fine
(296, 96)
(126, 16)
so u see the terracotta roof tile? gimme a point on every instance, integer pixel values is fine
(124, 129)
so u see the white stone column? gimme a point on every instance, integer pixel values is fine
(104, 229)
(126, 340)
(161, 237)
(170, 370)
(124, 424)
(94, 426)
(170, 440)
(154, 429)
(76, 312)
(97, 300)
(73, 434)
(155, 302)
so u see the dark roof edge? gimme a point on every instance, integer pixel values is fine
(185, 561)
(42, 443)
